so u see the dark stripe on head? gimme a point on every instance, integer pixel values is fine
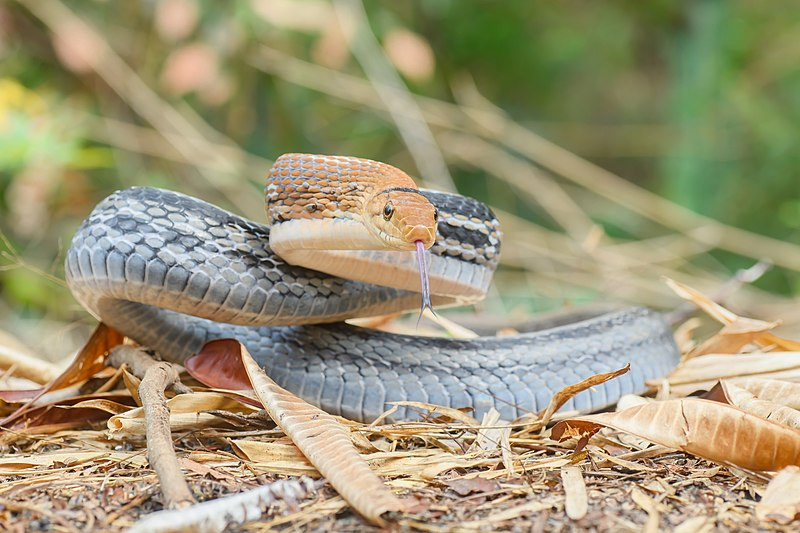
(401, 189)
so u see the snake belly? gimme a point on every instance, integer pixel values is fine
(173, 272)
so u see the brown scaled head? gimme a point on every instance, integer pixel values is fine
(402, 216)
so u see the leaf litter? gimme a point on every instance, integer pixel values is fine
(726, 460)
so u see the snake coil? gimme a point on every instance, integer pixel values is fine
(173, 272)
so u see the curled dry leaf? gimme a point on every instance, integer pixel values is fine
(729, 318)
(735, 336)
(711, 430)
(746, 400)
(324, 441)
(781, 501)
(563, 396)
(187, 412)
(773, 390)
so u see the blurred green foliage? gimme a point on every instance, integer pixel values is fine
(698, 101)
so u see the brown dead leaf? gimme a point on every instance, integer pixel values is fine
(73, 412)
(729, 318)
(218, 367)
(277, 457)
(324, 441)
(204, 470)
(773, 390)
(735, 336)
(781, 501)
(89, 361)
(744, 399)
(711, 430)
(563, 396)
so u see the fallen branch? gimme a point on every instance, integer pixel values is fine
(156, 377)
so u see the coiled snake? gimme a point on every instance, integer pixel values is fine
(173, 272)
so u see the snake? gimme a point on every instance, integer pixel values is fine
(346, 237)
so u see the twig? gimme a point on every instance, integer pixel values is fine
(160, 451)
(222, 513)
(138, 363)
(157, 376)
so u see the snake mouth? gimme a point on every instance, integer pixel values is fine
(420, 234)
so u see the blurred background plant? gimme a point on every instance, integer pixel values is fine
(619, 142)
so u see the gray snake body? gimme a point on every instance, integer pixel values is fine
(173, 272)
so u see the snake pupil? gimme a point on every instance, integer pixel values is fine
(435, 215)
(388, 210)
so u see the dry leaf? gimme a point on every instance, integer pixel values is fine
(711, 430)
(217, 366)
(89, 361)
(728, 318)
(324, 441)
(68, 457)
(770, 410)
(781, 501)
(735, 336)
(774, 390)
(276, 457)
(649, 505)
(563, 396)
(187, 412)
(441, 411)
(576, 504)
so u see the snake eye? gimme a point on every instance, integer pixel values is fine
(388, 210)
(435, 215)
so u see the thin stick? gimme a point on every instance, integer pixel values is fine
(160, 451)
(156, 377)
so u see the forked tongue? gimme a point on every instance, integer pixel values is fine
(423, 278)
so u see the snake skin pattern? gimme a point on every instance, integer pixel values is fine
(173, 272)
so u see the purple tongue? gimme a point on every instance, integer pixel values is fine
(423, 277)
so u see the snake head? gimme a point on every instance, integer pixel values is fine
(401, 217)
